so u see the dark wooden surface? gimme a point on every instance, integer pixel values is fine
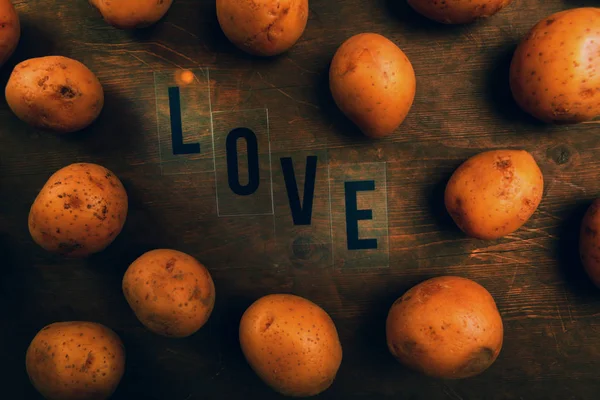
(463, 105)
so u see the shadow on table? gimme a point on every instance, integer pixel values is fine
(499, 94)
(34, 42)
(417, 22)
(340, 124)
(567, 253)
(437, 206)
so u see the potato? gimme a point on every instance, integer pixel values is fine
(263, 27)
(373, 83)
(131, 14)
(80, 210)
(458, 11)
(446, 327)
(170, 292)
(75, 361)
(291, 343)
(494, 193)
(55, 93)
(555, 71)
(589, 242)
(10, 30)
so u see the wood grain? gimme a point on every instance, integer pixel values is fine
(463, 106)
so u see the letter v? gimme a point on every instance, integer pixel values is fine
(301, 214)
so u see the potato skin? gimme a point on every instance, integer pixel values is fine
(170, 292)
(263, 27)
(10, 30)
(373, 83)
(291, 343)
(132, 14)
(80, 210)
(75, 361)
(446, 327)
(555, 71)
(458, 11)
(494, 193)
(55, 93)
(589, 242)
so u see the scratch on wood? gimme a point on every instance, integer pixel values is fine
(438, 242)
(139, 59)
(294, 120)
(568, 305)
(528, 241)
(174, 52)
(218, 372)
(555, 340)
(157, 56)
(512, 283)
(562, 323)
(489, 248)
(546, 213)
(286, 94)
(530, 315)
(477, 254)
(120, 45)
(103, 45)
(538, 230)
(572, 185)
(182, 29)
(299, 67)
(451, 393)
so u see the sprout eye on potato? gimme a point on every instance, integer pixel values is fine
(75, 361)
(170, 292)
(10, 30)
(458, 11)
(373, 83)
(555, 71)
(54, 93)
(292, 344)
(80, 210)
(263, 27)
(447, 327)
(132, 14)
(494, 193)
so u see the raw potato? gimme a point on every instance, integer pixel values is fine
(80, 210)
(373, 83)
(263, 27)
(589, 242)
(131, 14)
(171, 293)
(494, 193)
(292, 344)
(555, 71)
(55, 93)
(76, 361)
(446, 327)
(458, 11)
(10, 30)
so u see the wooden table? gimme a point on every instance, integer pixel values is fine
(463, 106)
